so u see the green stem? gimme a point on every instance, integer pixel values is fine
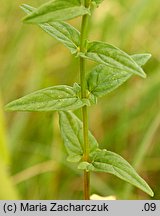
(84, 31)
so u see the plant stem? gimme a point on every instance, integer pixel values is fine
(84, 31)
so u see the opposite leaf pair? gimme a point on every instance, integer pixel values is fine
(115, 67)
(100, 160)
(97, 51)
(100, 81)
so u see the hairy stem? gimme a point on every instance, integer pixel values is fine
(84, 31)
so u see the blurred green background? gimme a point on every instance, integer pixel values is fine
(32, 156)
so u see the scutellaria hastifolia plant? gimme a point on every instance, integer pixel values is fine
(113, 68)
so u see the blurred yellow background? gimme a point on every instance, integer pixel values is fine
(32, 156)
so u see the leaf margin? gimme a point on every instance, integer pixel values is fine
(90, 166)
(53, 29)
(40, 11)
(39, 97)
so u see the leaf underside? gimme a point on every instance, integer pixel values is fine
(62, 31)
(72, 133)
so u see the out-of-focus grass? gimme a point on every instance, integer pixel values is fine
(30, 60)
(7, 189)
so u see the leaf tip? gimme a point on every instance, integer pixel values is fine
(26, 19)
(151, 193)
(149, 55)
(11, 106)
(144, 75)
(7, 107)
(22, 6)
(25, 8)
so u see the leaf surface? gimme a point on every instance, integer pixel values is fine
(72, 133)
(104, 79)
(109, 162)
(57, 10)
(62, 31)
(141, 59)
(60, 97)
(112, 56)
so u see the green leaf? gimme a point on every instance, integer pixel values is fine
(102, 79)
(141, 59)
(97, 1)
(60, 30)
(60, 97)
(109, 162)
(57, 10)
(72, 133)
(112, 56)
